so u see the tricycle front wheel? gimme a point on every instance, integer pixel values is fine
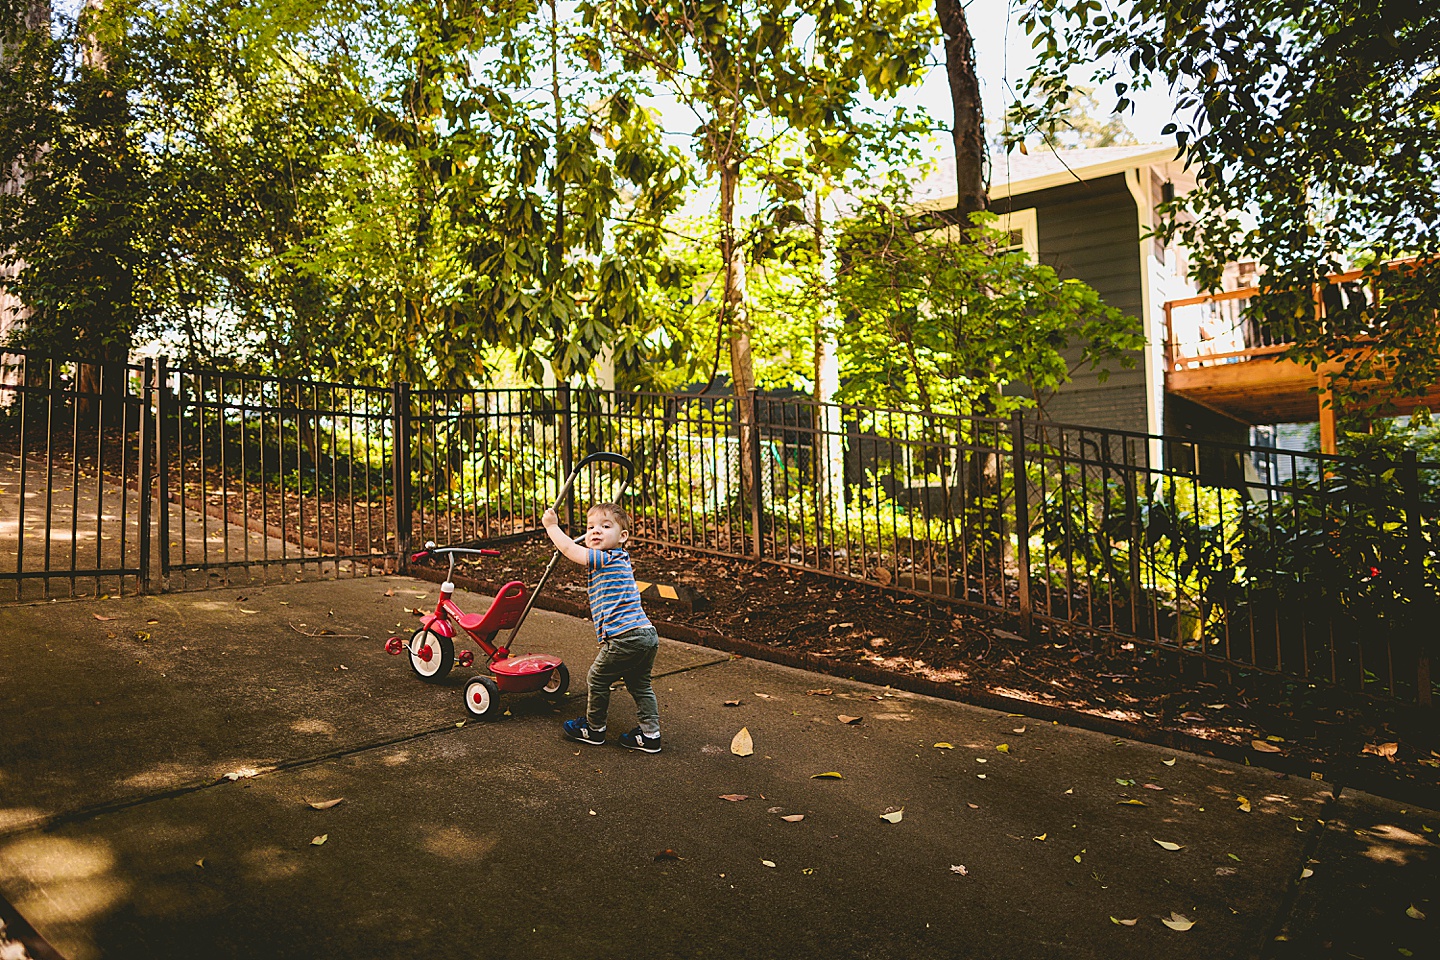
(431, 655)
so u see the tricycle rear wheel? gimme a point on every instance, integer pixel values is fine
(558, 683)
(481, 695)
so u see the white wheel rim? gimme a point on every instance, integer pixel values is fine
(423, 667)
(554, 684)
(477, 698)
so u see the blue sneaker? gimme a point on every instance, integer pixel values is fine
(635, 740)
(579, 731)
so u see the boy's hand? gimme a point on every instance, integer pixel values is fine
(550, 518)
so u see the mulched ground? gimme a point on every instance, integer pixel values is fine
(1338, 735)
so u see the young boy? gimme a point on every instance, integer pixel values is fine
(628, 642)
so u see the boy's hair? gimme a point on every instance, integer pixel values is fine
(616, 513)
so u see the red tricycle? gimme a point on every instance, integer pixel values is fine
(432, 647)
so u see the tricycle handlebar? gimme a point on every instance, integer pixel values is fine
(431, 548)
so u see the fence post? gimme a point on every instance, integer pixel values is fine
(1415, 568)
(567, 451)
(756, 503)
(1022, 523)
(400, 463)
(162, 464)
(147, 453)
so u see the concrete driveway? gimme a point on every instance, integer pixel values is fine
(120, 835)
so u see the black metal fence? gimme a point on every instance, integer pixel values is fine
(1289, 563)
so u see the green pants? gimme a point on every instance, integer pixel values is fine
(629, 657)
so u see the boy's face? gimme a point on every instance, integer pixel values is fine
(604, 531)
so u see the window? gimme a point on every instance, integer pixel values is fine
(1024, 237)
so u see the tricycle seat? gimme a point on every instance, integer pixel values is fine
(504, 611)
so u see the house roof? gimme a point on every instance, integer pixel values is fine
(1012, 174)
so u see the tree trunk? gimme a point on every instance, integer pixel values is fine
(734, 313)
(969, 117)
(13, 311)
(829, 442)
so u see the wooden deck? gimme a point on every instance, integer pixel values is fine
(1221, 360)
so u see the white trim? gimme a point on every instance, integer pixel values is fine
(1079, 174)
(1140, 191)
(1024, 221)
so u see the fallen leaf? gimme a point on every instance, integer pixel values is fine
(319, 840)
(1070, 791)
(667, 854)
(981, 760)
(1169, 763)
(793, 817)
(1042, 836)
(325, 804)
(102, 619)
(769, 863)
(1131, 802)
(775, 809)
(594, 814)
(1167, 845)
(1306, 874)
(1386, 750)
(1177, 922)
(201, 864)
(459, 724)
(1233, 857)
(242, 774)
(1003, 748)
(893, 816)
(390, 592)
(732, 703)
(845, 718)
(1018, 730)
(742, 745)
(1264, 747)
(249, 611)
(960, 869)
(1244, 804)
(829, 775)
(763, 696)
(734, 797)
(973, 806)
(1414, 914)
(820, 693)
(942, 745)
(1125, 923)
(1153, 786)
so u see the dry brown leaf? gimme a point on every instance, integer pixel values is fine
(101, 618)
(325, 804)
(742, 745)
(732, 703)
(1125, 923)
(973, 806)
(1153, 786)
(793, 818)
(1264, 747)
(667, 854)
(1176, 922)
(826, 692)
(734, 797)
(1386, 750)
(845, 718)
(320, 840)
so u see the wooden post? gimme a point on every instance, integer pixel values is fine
(1327, 417)
(1022, 524)
(1415, 568)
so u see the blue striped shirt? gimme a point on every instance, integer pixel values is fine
(614, 598)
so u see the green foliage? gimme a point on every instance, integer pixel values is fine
(342, 189)
(1314, 130)
(956, 325)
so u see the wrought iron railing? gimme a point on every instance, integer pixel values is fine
(1301, 565)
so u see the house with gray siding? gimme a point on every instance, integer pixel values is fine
(1088, 214)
